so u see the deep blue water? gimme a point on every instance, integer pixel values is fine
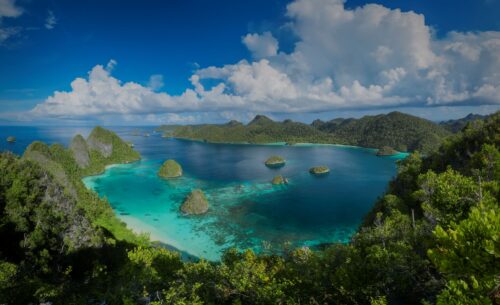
(245, 209)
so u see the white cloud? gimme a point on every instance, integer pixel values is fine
(363, 58)
(50, 21)
(261, 46)
(8, 9)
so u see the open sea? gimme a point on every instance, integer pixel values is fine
(245, 210)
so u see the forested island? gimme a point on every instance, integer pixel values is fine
(403, 132)
(433, 238)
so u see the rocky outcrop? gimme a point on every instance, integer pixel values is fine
(386, 151)
(80, 151)
(195, 203)
(278, 180)
(319, 170)
(110, 148)
(11, 139)
(40, 153)
(101, 139)
(275, 161)
(170, 169)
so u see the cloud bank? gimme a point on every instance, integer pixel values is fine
(361, 58)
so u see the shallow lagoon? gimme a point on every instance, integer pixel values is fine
(245, 209)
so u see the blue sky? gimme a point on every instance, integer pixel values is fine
(151, 62)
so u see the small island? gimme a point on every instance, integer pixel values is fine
(275, 161)
(11, 139)
(319, 170)
(195, 203)
(170, 169)
(386, 151)
(278, 180)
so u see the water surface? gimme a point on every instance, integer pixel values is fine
(245, 209)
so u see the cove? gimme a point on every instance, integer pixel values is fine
(245, 211)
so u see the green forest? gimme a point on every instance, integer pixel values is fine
(432, 238)
(403, 132)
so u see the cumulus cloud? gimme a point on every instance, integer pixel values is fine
(50, 21)
(261, 46)
(8, 8)
(361, 58)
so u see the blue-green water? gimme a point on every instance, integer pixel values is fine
(245, 209)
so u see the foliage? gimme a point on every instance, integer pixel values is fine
(195, 203)
(467, 253)
(170, 169)
(260, 130)
(275, 160)
(319, 170)
(402, 131)
(433, 238)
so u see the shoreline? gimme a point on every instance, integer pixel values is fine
(299, 144)
(140, 227)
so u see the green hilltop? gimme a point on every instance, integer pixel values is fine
(401, 131)
(259, 131)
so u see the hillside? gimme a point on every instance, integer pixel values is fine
(433, 238)
(401, 131)
(457, 125)
(398, 130)
(260, 130)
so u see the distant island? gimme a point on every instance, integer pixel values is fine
(196, 203)
(319, 170)
(457, 125)
(170, 169)
(275, 161)
(403, 132)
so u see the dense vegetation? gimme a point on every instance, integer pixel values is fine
(401, 131)
(457, 125)
(260, 130)
(398, 130)
(433, 238)
(170, 169)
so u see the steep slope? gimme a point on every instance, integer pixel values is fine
(401, 131)
(80, 151)
(105, 148)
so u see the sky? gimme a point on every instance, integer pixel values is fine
(196, 61)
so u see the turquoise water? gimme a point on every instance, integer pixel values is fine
(245, 209)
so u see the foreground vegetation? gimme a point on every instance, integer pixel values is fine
(433, 238)
(398, 130)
